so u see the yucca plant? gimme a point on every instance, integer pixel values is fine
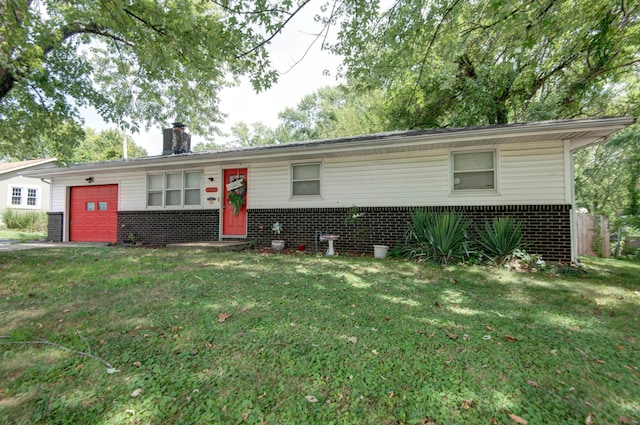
(500, 238)
(437, 238)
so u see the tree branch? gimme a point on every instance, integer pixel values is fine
(250, 12)
(431, 42)
(267, 40)
(6, 82)
(156, 28)
(325, 31)
(493, 24)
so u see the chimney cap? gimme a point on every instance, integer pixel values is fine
(178, 124)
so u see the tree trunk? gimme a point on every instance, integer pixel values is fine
(6, 82)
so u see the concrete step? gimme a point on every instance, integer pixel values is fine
(216, 246)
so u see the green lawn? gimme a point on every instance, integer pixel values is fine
(312, 340)
(17, 235)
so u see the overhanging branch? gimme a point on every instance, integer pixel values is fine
(272, 36)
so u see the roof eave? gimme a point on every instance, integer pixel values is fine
(27, 166)
(597, 130)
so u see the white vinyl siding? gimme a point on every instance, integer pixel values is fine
(133, 188)
(531, 173)
(306, 179)
(528, 173)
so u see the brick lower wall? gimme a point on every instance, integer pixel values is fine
(546, 228)
(163, 227)
(54, 226)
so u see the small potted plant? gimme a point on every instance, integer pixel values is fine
(277, 244)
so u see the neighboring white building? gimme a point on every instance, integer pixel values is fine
(523, 170)
(24, 193)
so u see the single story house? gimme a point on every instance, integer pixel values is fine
(522, 170)
(22, 193)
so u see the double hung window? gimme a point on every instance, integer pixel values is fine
(305, 179)
(473, 171)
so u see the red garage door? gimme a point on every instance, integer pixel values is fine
(93, 214)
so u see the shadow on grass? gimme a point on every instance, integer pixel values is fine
(371, 341)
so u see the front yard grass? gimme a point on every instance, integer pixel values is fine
(312, 340)
(22, 236)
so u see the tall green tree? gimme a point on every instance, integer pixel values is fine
(208, 146)
(105, 145)
(461, 62)
(333, 112)
(608, 177)
(139, 63)
(254, 134)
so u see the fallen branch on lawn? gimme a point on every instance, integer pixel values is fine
(3, 339)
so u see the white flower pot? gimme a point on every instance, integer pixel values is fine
(380, 251)
(277, 245)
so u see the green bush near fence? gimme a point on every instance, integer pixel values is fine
(29, 221)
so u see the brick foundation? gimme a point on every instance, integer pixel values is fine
(546, 228)
(163, 227)
(54, 226)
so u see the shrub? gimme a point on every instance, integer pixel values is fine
(437, 238)
(500, 238)
(30, 221)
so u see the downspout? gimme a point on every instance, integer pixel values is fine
(572, 199)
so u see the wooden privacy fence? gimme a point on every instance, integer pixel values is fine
(592, 234)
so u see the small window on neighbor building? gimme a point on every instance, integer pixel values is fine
(474, 170)
(32, 197)
(305, 179)
(23, 197)
(16, 196)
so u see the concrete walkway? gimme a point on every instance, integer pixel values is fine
(217, 246)
(18, 246)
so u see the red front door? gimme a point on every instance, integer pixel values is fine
(94, 215)
(234, 212)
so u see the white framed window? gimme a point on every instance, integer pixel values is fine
(24, 197)
(16, 196)
(174, 189)
(306, 179)
(473, 171)
(32, 197)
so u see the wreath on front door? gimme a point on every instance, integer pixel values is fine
(236, 197)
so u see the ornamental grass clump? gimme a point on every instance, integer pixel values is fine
(437, 238)
(28, 221)
(499, 239)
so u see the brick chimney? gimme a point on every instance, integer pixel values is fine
(176, 140)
